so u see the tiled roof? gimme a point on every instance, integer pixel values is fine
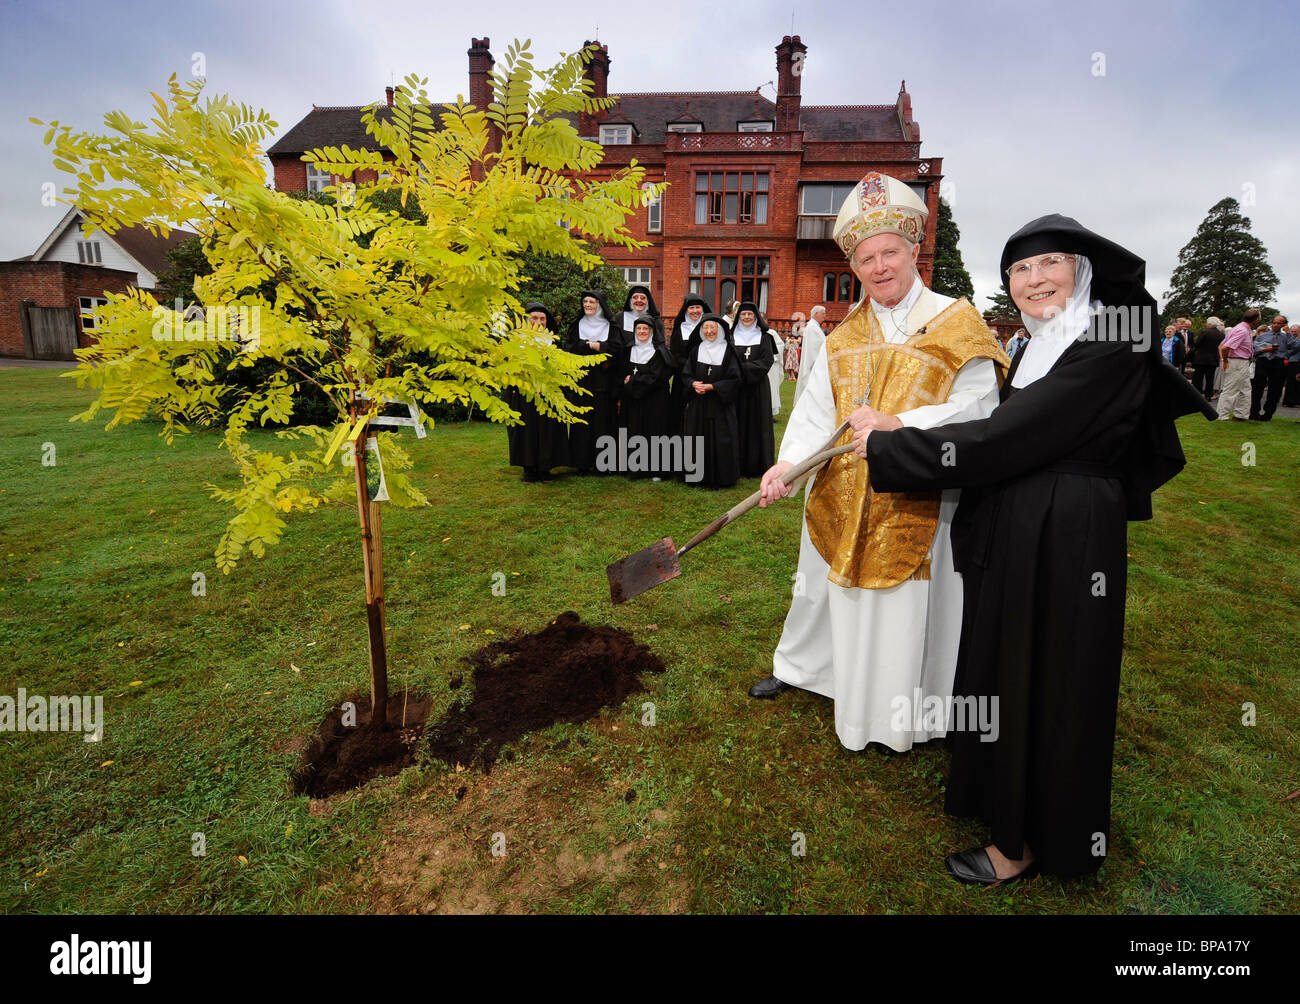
(851, 122)
(146, 248)
(334, 126)
(650, 112)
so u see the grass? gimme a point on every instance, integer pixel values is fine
(205, 710)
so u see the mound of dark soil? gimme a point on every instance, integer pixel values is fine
(564, 673)
(342, 757)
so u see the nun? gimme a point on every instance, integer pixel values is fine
(541, 442)
(755, 354)
(639, 302)
(713, 375)
(645, 409)
(595, 333)
(1083, 435)
(679, 344)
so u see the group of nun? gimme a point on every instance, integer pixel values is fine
(707, 378)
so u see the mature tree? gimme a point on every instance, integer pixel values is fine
(1223, 270)
(1003, 305)
(421, 310)
(950, 276)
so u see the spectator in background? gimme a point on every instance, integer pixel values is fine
(1184, 326)
(1169, 342)
(1205, 357)
(1234, 353)
(813, 340)
(1291, 395)
(1272, 346)
(1017, 342)
(790, 362)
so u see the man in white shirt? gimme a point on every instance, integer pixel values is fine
(876, 614)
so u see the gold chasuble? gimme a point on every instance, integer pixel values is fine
(876, 540)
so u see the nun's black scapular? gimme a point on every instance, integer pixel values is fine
(630, 313)
(712, 373)
(602, 381)
(683, 335)
(755, 353)
(541, 443)
(1048, 482)
(645, 407)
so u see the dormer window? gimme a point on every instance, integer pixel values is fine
(758, 125)
(685, 127)
(615, 135)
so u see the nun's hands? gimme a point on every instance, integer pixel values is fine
(867, 419)
(772, 487)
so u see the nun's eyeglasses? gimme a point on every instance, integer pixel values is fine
(1050, 263)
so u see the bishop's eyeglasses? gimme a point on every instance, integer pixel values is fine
(1048, 263)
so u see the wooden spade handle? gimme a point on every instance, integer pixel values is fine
(789, 477)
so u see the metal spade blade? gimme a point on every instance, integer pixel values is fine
(647, 568)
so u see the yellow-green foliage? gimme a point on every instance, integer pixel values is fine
(417, 311)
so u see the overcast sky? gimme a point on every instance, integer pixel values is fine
(1197, 100)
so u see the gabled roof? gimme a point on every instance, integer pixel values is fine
(847, 123)
(718, 111)
(336, 126)
(147, 250)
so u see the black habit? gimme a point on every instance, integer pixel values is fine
(711, 416)
(1048, 482)
(645, 407)
(754, 403)
(601, 381)
(542, 442)
(679, 345)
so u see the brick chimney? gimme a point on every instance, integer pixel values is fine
(388, 95)
(789, 69)
(597, 71)
(480, 69)
(911, 131)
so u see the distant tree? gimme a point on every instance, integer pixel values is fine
(557, 281)
(1003, 305)
(184, 262)
(950, 276)
(1222, 270)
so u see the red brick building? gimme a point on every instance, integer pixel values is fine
(47, 299)
(754, 184)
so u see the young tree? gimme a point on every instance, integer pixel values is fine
(1222, 270)
(950, 276)
(365, 302)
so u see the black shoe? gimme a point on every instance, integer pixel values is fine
(768, 688)
(974, 867)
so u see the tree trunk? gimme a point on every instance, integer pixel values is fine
(372, 552)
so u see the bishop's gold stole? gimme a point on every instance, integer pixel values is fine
(874, 540)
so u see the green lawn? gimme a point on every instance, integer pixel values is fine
(98, 555)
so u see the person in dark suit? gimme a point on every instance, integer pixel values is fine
(1205, 357)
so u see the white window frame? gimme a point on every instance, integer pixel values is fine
(685, 127)
(612, 135)
(89, 253)
(88, 304)
(821, 185)
(654, 215)
(318, 179)
(636, 275)
(757, 125)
